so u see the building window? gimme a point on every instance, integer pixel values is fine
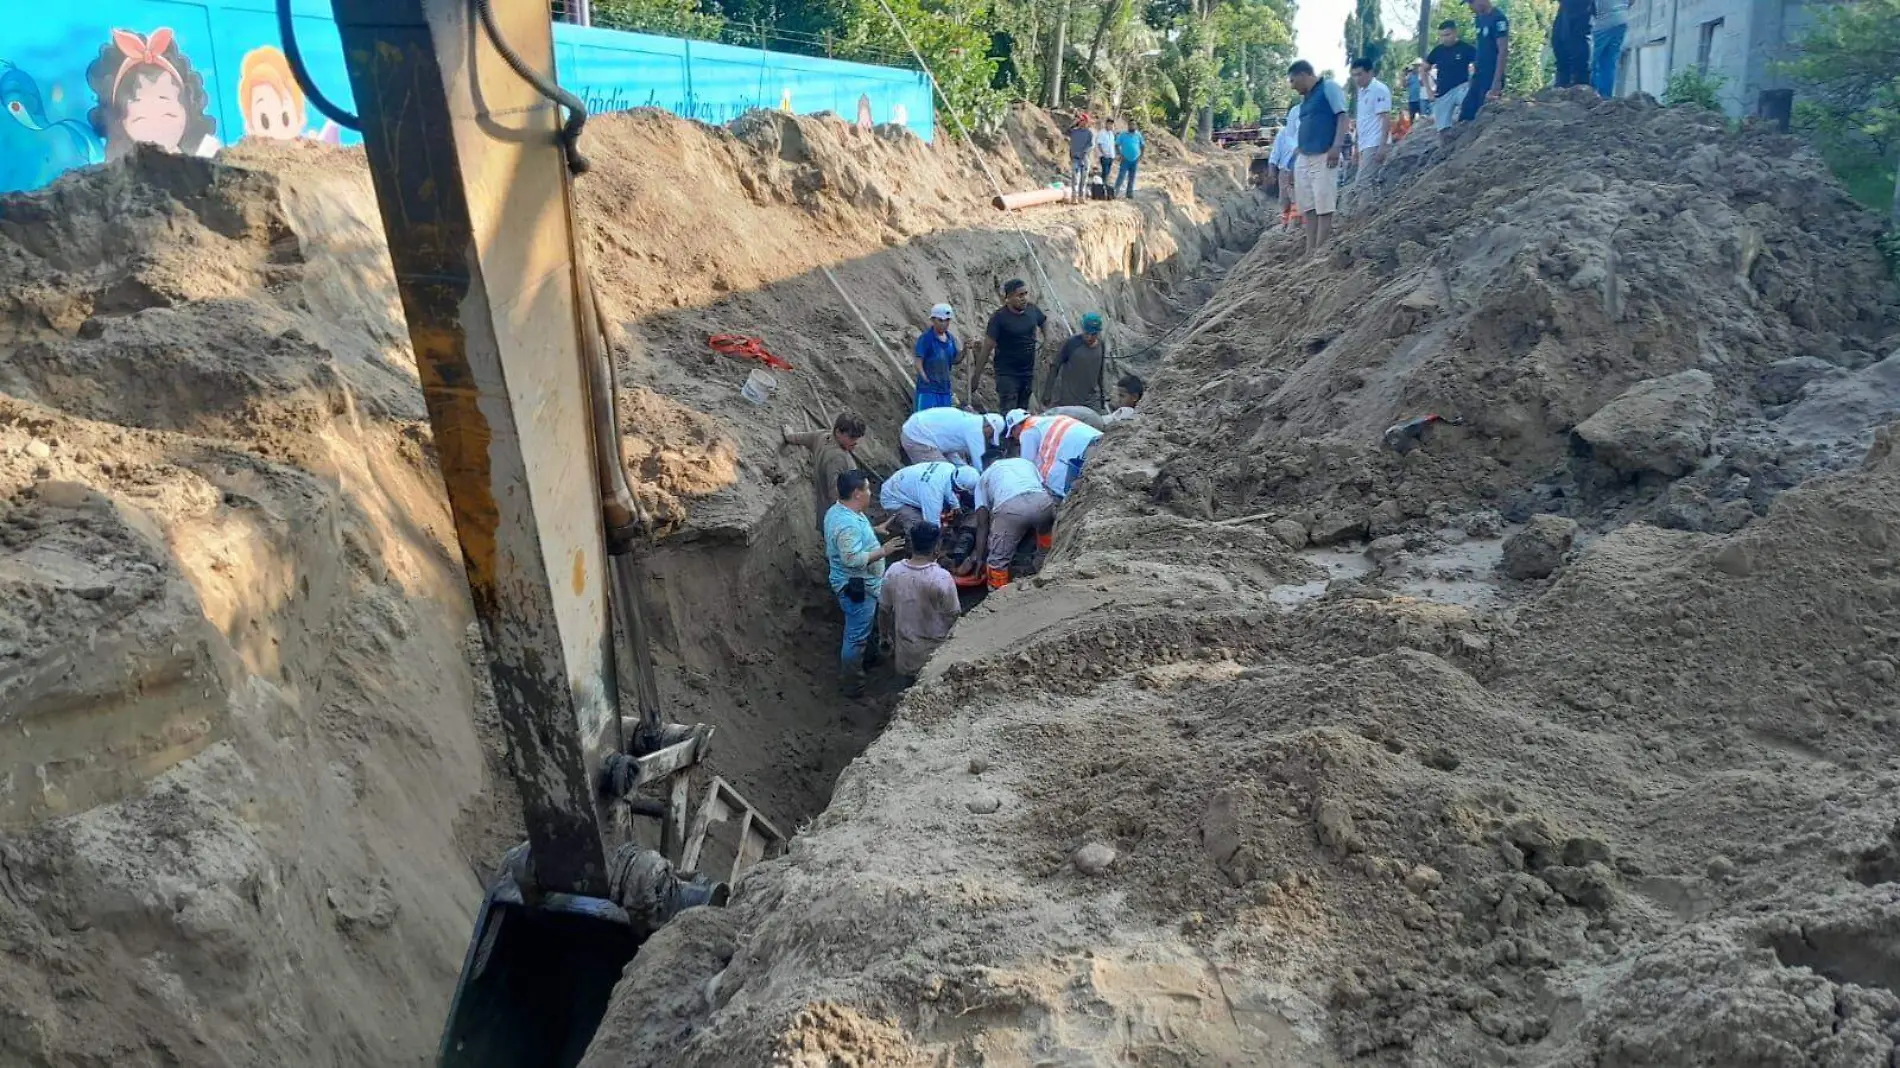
(1706, 45)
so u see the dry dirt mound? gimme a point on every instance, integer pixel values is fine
(1643, 815)
(250, 781)
(1556, 255)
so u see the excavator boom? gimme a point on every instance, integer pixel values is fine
(473, 162)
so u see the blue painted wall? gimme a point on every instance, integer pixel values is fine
(81, 83)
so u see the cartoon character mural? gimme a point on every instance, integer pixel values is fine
(149, 94)
(864, 112)
(34, 147)
(273, 102)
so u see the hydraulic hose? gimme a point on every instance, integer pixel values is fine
(287, 29)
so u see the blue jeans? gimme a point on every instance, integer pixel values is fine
(1125, 175)
(1606, 48)
(859, 616)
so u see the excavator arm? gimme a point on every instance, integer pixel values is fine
(473, 163)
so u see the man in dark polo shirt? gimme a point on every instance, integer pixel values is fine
(1494, 49)
(1012, 340)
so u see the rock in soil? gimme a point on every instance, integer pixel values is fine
(1661, 426)
(1537, 550)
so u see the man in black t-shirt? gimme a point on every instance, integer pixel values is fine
(1451, 75)
(1012, 339)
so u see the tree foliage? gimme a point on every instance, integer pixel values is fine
(1170, 61)
(1847, 71)
(678, 18)
(1526, 70)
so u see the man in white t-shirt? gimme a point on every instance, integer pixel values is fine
(1105, 151)
(1373, 128)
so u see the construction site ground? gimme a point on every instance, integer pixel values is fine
(1566, 738)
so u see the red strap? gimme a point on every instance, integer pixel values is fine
(752, 348)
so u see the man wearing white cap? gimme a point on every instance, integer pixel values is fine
(1055, 444)
(935, 356)
(922, 493)
(949, 433)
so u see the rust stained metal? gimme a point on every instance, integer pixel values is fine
(481, 266)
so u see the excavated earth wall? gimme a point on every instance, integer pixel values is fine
(1563, 734)
(251, 781)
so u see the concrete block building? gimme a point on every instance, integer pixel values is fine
(1740, 40)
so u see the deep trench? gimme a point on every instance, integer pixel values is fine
(744, 627)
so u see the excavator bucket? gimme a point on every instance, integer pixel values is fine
(537, 976)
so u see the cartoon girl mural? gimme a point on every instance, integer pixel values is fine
(273, 101)
(273, 104)
(149, 94)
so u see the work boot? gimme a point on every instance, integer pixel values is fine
(997, 577)
(851, 678)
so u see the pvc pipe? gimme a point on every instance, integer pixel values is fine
(1027, 198)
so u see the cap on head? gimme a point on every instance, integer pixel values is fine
(1091, 323)
(1013, 420)
(941, 311)
(995, 423)
(965, 478)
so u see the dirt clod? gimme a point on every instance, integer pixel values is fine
(1537, 550)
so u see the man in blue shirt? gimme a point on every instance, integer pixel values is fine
(1322, 135)
(856, 571)
(936, 353)
(1494, 47)
(1128, 146)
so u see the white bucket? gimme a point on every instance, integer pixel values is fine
(759, 386)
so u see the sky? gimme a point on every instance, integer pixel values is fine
(1319, 29)
(1319, 32)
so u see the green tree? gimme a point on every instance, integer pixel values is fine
(1525, 71)
(1847, 71)
(677, 18)
(954, 39)
(1529, 69)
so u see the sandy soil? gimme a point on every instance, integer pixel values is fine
(250, 779)
(1195, 797)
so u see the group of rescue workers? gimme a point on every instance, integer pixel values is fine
(978, 491)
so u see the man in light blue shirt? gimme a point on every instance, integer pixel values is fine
(856, 571)
(1128, 146)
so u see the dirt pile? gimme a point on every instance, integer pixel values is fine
(1185, 801)
(250, 780)
(1556, 256)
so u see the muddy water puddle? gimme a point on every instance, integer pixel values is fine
(1447, 567)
